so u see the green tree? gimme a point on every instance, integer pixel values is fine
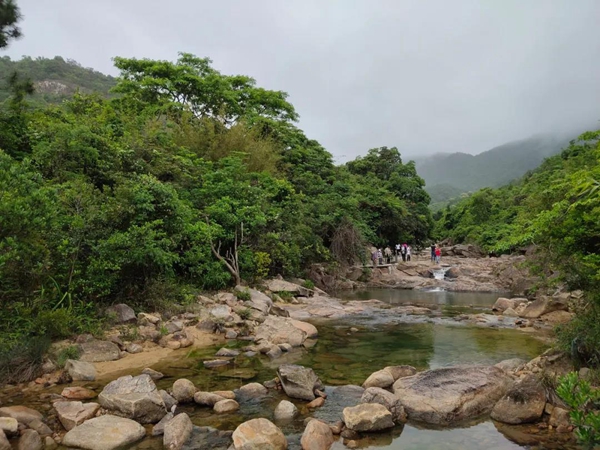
(9, 16)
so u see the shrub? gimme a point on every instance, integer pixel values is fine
(308, 284)
(243, 295)
(245, 313)
(583, 399)
(22, 361)
(70, 352)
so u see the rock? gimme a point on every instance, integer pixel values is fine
(309, 329)
(543, 305)
(275, 352)
(184, 390)
(4, 444)
(316, 403)
(72, 414)
(337, 427)
(523, 403)
(78, 393)
(285, 347)
(259, 301)
(104, 433)
(177, 431)
(173, 345)
(227, 352)
(225, 394)
(147, 319)
(350, 443)
(152, 373)
(9, 425)
(121, 313)
(502, 304)
(231, 334)
(380, 379)
(285, 410)
(30, 440)
(398, 372)
(99, 351)
(510, 365)
(559, 417)
(253, 390)
(215, 363)
(134, 348)
(149, 333)
(277, 286)
(41, 428)
(207, 325)
(387, 399)
(174, 326)
(207, 398)
(258, 434)
(451, 394)
(509, 312)
(49, 444)
(279, 330)
(22, 414)
(159, 428)
(80, 370)
(221, 312)
(317, 436)
(368, 417)
(168, 399)
(225, 406)
(298, 381)
(135, 398)
(557, 317)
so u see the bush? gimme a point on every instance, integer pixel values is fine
(584, 400)
(245, 313)
(70, 352)
(244, 295)
(308, 284)
(22, 361)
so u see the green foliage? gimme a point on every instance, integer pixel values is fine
(308, 284)
(9, 16)
(584, 401)
(69, 352)
(245, 313)
(243, 296)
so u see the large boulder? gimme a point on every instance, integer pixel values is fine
(135, 398)
(177, 431)
(452, 394)
(184, 390)
(22, 414)
(398, 372)
(381, 379)
(258, 300)
(317, 436)
(104, 433)
(258, 434)
(30, 440)
(280, 330)
(80, 370)
(298, 381)
(368, 417)
(387, 399)
(121, 313)
(543, 305)
(523, 403)
(72, 414)
(308, 328)
(502, 304)
(99, 351)
(276, 285)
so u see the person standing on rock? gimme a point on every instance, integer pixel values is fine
(388, 254)
(397, 251)
(374, 258)
(403, 252)
(433, 252)
(438, 254)
(408, 250)
(380, 257)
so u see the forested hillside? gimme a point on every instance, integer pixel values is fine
(450, 174)
(557, 209)
(188, 179)
(54, 79)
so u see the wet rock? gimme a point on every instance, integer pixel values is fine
(207, 398)
(398, 372)
(104, 433)
(41, 428)
(351, 443)
(349, 434)
(203, 438)
(523, 403)
(285, 410)
(380, 379)
(253, 390)
(216, 363)
(309, 329)
(80, 370)
(317, 436)
(337, 427)
(387, 399)
(134, 348)
(121, 313)
(168, 399)
(259, 434)
(22, 414)
(225, 406)
(152, 373)
(135, 398)
(368, 417)
(78, 393)
(184, 390)
(72, 414)
(225, 394)
(99, 351)
(30, 440)
(543, 305)
(298, 381)
(559, 417)
(159, 428)
(177, 431)
(227, 352)
(9, 426)
(275, 352)
(316, 403)
(4, 444)
(452, 394)
(510, 365)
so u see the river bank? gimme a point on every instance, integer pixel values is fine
(260, 333)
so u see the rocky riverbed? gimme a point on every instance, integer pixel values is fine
(114, 396)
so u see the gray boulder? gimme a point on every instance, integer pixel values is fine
(104, 433)
(452, 394)
(523, 403)
(22, 414)
(258, 300)
(30, 440)
(135, 398)
(387, 399)
(280, 330)
(543, 305)
(122, 313)
(72, 414)
(177, 431)
(99, 351)
(298, 381)
(159, 428)
(368, 417)
(80, 370)
(381, 379)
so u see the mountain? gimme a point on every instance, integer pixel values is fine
(447, 175)
(54, 79)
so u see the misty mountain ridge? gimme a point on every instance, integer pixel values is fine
(447, 174)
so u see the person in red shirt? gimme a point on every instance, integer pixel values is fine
(438, 254)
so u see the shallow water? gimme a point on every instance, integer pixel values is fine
(341, 357)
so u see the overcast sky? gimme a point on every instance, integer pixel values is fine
(425, 76)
